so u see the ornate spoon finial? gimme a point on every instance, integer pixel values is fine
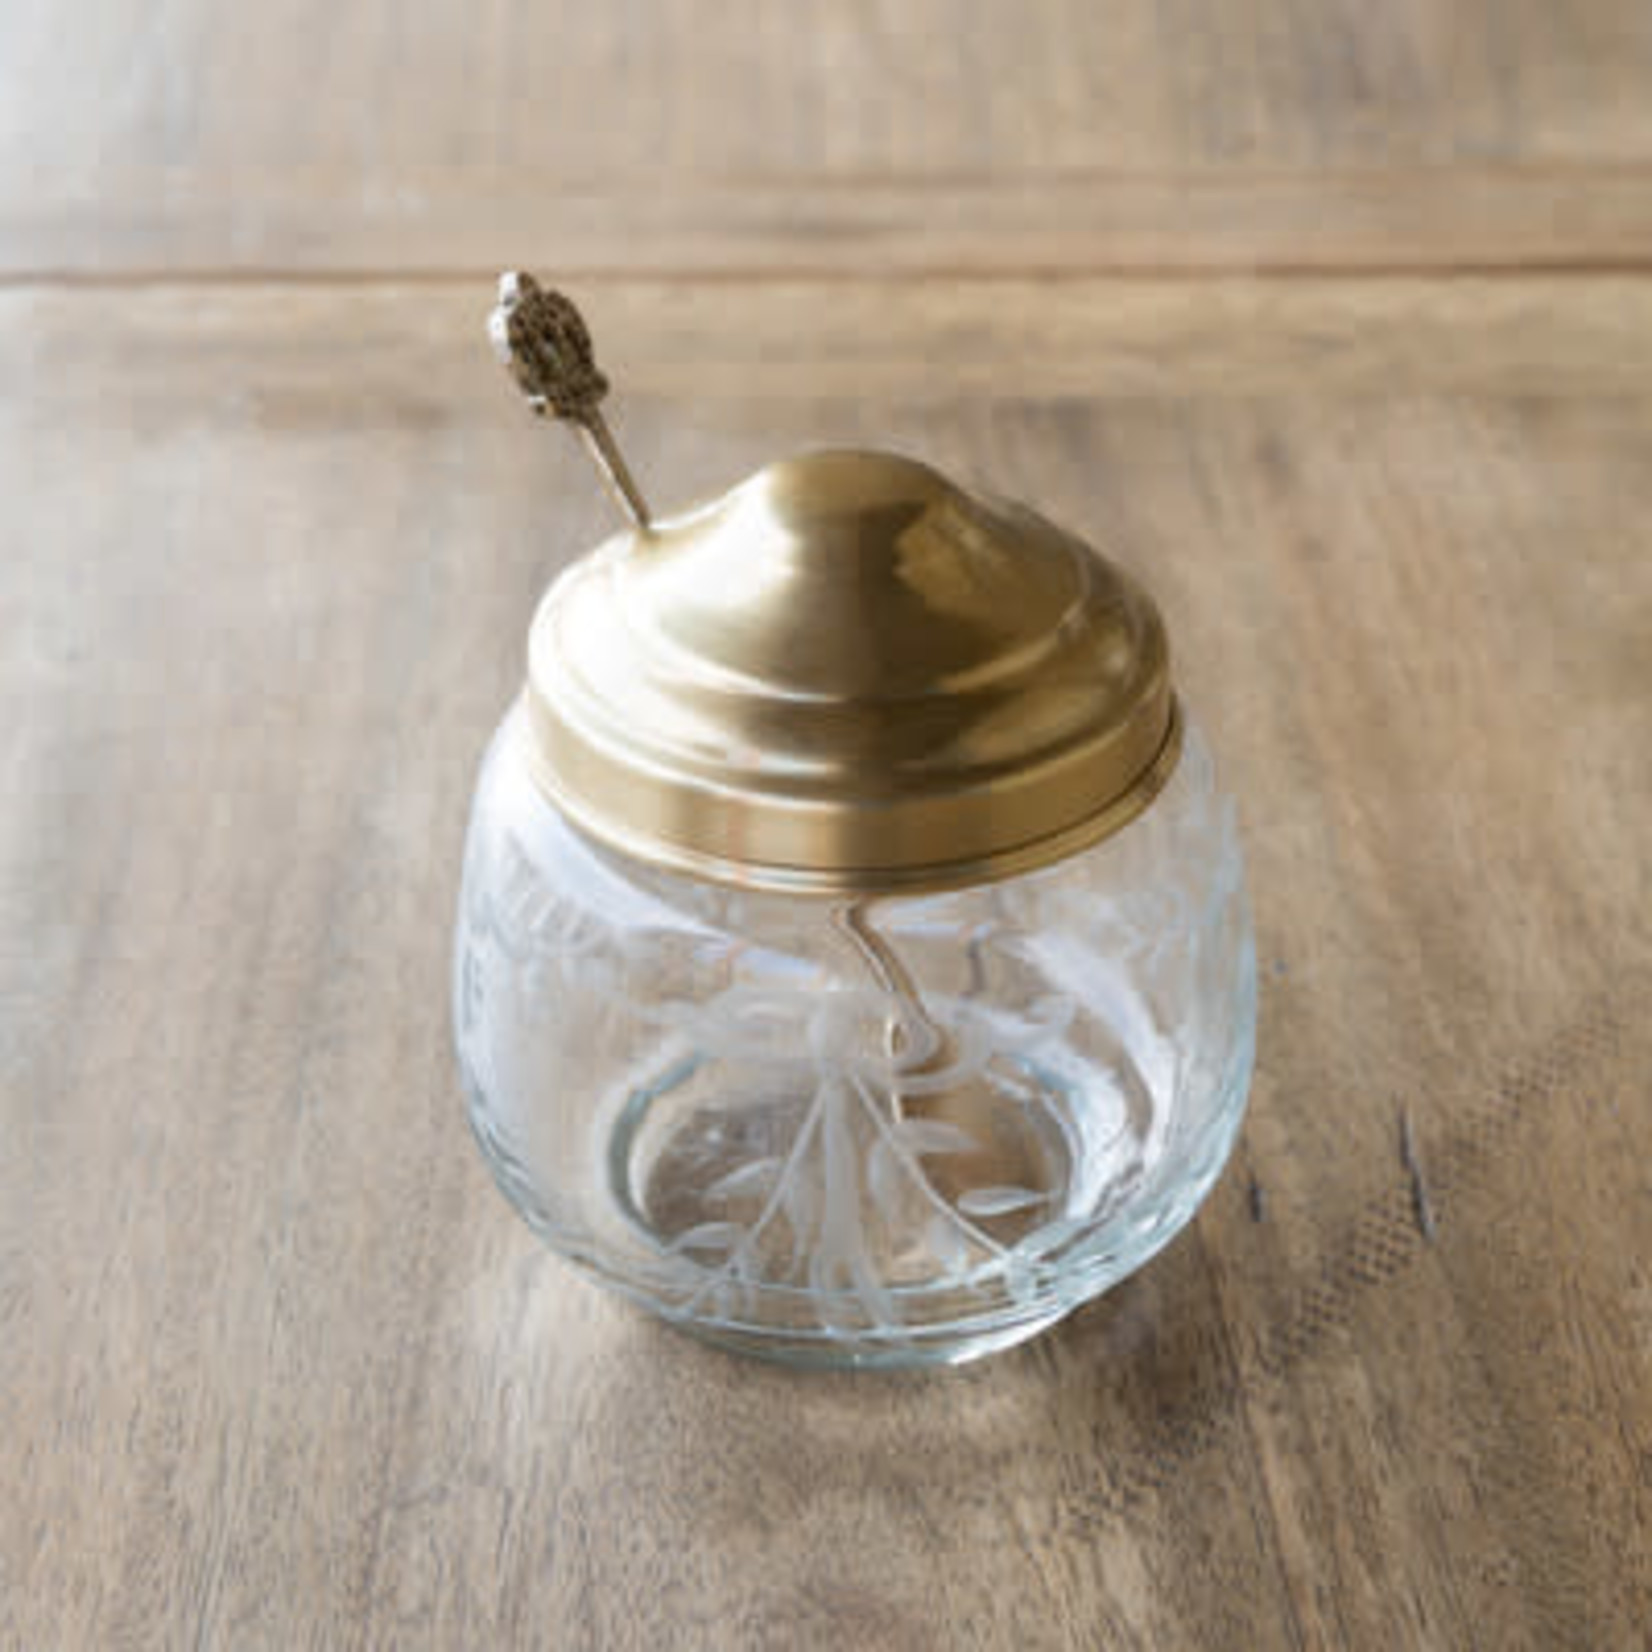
(542, 339)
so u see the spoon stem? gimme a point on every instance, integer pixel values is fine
(931, 1045)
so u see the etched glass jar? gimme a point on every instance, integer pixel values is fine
(853, 960)
(716, 1102)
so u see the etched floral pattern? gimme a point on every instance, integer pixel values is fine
(698, 1093)
(854, 1186)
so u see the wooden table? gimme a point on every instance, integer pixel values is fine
(1334, 321)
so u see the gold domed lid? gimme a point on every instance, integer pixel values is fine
(847, 676)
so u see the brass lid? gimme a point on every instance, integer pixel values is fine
(849, 676)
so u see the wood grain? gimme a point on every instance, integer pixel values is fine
(411, 351)
(114, 224)
(849, 136)
(645, 87)
(1333, 321)
(282, 1370)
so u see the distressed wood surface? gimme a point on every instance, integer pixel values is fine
(849, 135)
(1350, 355)
(114, 224)
(283, 1370)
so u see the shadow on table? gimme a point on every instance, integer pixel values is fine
(1108, 1405)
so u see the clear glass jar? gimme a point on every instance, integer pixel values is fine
(905, 1131)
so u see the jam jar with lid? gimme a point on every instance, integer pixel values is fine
(853, 964)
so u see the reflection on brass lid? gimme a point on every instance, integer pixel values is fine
(848, 676)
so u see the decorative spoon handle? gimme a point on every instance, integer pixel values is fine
(542, 339)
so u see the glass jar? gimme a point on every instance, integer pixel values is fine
(719, 1103)
(853, 961)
